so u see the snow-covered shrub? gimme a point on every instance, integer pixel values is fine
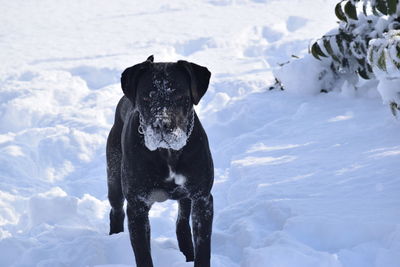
(384, 57)
(366, 44)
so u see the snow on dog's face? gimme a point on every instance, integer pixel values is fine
(163, 94)
(165, 107)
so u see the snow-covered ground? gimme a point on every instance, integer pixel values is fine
(301, 180)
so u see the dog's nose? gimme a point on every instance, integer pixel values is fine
(162, 124)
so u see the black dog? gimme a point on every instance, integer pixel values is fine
(158, 150)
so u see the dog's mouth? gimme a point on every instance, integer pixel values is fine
(167, 138)
(175, 139)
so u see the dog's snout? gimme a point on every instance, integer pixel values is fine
(162, 124)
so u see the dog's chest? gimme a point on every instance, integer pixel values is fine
(176, 178)
(171, 186)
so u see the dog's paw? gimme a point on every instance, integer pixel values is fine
(116, 221)
(189, 255)
(189, 258)
(115, 230)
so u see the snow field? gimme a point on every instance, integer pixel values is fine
(301, 179)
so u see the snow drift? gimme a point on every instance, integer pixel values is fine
(301, 179)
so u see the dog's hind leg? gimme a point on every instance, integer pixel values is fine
(115, 195)
(183, 231)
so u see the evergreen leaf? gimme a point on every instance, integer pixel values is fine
(394, 108)
(328, 47)
(363, 73)
(316, 51)
(348, 37)
(397, 64)
(371, 56)
(350, 10)
(382, 61)
(392, 6)
(398, 50)
(361, 61)
(339, 12)
(339, 42)
(381, 5)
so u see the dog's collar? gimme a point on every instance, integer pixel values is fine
(141, 124)
(191, 125)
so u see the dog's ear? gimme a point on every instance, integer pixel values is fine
(199, 79)
(130, 77)
(150, 58)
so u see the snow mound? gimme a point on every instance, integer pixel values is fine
(301, 178)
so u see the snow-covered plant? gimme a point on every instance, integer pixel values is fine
(348, 45)
(366, 43)
(384, 53)
(384, 57)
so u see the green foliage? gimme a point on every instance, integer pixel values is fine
(394, 108)
(366, 43)
(392, 6)
(350, 10)
(382, 6)
(382, 61)
(386, 7)
(349, 46)
(339, 12)
(385, 52)
(316, 51)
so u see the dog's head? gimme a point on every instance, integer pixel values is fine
(164, 95)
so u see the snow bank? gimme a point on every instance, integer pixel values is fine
(306, 75)
(358, 57)
(302, 179)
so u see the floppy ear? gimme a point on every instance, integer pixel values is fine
(199, 79)
(130, 77)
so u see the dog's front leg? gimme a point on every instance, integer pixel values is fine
(183, 231)
(139, 231)
(202, 217)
